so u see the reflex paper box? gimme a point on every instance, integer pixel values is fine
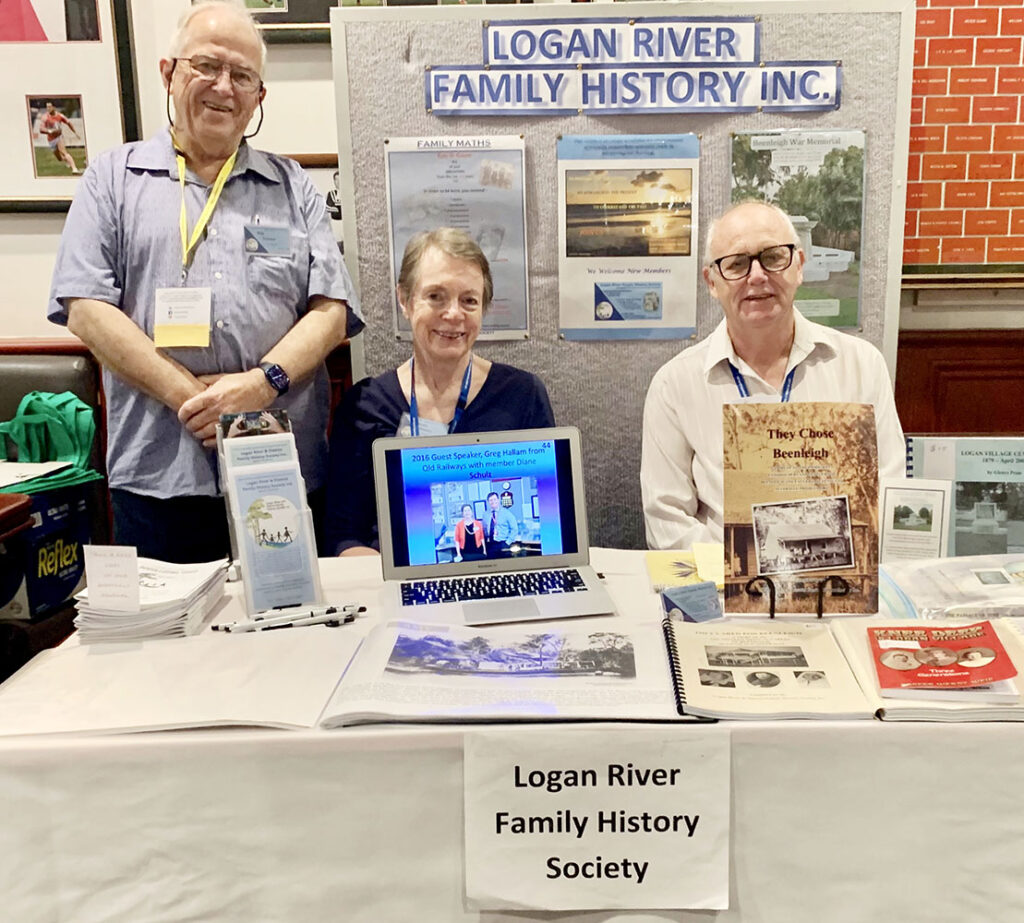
(43, 566)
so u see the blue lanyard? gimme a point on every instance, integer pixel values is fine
(741, 383)
(414, 414)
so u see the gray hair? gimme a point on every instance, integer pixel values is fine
(235, 6)
(451, 241)
(769, 205)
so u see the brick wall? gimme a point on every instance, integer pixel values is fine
(965, 190)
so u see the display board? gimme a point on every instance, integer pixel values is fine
(382, 57)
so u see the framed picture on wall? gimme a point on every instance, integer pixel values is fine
(293, 20)
(310, 20)
(323, 171)
(61, 62)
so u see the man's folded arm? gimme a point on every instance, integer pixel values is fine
(122, 347)
(300, 352)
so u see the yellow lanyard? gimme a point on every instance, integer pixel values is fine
(189, 244)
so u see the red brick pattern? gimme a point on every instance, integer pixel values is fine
(965, 191)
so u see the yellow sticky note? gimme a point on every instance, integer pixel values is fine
(710, 558)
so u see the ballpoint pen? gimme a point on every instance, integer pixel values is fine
(299, 612)
(328, 618)
(300, 615)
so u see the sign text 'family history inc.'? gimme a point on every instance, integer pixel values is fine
(548, 67)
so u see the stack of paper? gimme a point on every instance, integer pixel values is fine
(174, 600)
(36, 477)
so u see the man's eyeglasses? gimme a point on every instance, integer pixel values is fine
(210, 69)
(736, 266)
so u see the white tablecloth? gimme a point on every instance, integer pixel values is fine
(856, 822)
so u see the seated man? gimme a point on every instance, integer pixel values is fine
(444, 290)
(764, 348)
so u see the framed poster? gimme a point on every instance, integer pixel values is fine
(293, 20)
(627, 226)
(817, 178)
(323, 171)
(69, 92)
(476, 184)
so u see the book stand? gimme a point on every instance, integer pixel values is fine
(838, 586)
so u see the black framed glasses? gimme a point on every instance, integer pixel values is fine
(209, 69)
(736, 266)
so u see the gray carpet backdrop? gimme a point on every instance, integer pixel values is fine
(379, 59)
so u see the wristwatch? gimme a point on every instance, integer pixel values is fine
(277, 377)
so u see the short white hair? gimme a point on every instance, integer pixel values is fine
(235, 6)
(769, 205)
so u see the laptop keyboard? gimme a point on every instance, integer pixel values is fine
(491, 586)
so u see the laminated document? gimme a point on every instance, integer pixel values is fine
(274, 530)
(271, 526)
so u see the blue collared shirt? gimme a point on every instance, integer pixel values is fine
(121, 242)
(506, 527)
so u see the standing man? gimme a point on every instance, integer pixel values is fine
(500, 527)
(204, 276)
(763, 349)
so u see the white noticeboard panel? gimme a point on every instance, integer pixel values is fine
(627, 207)
(587, 820)
(475, 184)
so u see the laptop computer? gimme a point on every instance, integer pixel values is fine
(485, 527)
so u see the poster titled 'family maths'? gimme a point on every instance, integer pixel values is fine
(476, 185)
(817, 178)
(627, 218)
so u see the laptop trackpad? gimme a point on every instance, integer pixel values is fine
(501, 610)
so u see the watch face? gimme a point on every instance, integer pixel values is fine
(277, 377)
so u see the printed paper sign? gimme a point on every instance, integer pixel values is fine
(112, 576)
(585, 820)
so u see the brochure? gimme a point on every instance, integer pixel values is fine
(918, 660)
(915, 519)
(274, 528)
(988, 488)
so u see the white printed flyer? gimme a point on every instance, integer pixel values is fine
(627, 221)
(475, 184)
(275, 537)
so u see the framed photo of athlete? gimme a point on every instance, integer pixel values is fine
(60, 61)
(56, 129)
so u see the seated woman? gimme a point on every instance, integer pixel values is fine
(444, 289)
(469, 536)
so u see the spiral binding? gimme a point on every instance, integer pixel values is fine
(673, 660)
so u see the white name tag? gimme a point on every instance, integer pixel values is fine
(182, 317)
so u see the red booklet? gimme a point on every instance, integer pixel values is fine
(914, 656)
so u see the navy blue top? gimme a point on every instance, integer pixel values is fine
(509, 399)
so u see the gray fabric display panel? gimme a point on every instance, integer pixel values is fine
(380, 55)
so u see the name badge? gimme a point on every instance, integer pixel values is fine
(267, 240)
(182, 317)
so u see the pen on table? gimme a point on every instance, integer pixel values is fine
(265, 620)
(327, 618)
(298, 612)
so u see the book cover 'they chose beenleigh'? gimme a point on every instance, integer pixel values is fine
(801, 504)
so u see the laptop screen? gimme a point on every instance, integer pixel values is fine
(501, 501)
